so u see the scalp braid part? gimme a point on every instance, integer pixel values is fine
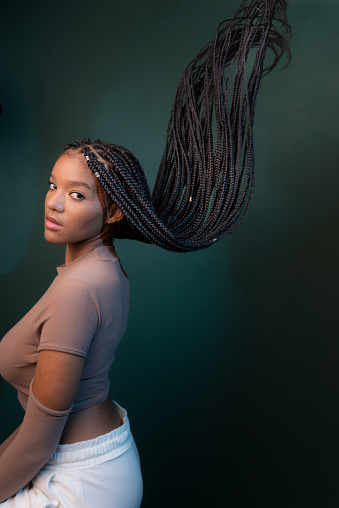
(205, 181)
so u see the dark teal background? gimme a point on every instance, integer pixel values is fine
(229, 368)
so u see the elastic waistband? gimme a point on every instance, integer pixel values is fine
(94, 451)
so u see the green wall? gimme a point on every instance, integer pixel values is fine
(229, 365)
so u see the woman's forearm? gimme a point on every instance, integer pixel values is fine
(30, 447)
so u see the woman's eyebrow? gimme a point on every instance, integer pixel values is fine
(76, 183)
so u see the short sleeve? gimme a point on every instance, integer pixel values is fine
(72, 318)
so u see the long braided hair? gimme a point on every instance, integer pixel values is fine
(204, 186)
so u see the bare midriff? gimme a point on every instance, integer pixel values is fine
(91, 423)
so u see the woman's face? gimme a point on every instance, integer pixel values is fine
(73, 211)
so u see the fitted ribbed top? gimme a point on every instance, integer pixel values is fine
(84, 312)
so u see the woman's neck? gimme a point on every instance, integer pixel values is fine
(75, 250)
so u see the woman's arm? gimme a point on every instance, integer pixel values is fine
(57, 378)
(51, 396)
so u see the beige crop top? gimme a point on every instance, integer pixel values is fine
(84, 312)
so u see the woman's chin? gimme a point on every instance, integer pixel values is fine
(52, 238)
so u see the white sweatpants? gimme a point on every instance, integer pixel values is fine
(99, 473)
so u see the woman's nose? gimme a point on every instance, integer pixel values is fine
(54, 201)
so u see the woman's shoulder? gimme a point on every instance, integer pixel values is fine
(99, 270)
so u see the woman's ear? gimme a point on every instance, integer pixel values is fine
(114, 214)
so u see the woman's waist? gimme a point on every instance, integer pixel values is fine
(93, 450)
(92, 422)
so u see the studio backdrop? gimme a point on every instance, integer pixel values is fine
(229, 365)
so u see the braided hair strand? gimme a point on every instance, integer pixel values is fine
(205, 181)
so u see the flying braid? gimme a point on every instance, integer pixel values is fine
(204, 185)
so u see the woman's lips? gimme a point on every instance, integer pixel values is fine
(51, 223)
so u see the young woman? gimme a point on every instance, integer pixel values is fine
(74, 446)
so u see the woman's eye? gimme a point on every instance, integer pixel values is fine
(51, 185)
(77, 196)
